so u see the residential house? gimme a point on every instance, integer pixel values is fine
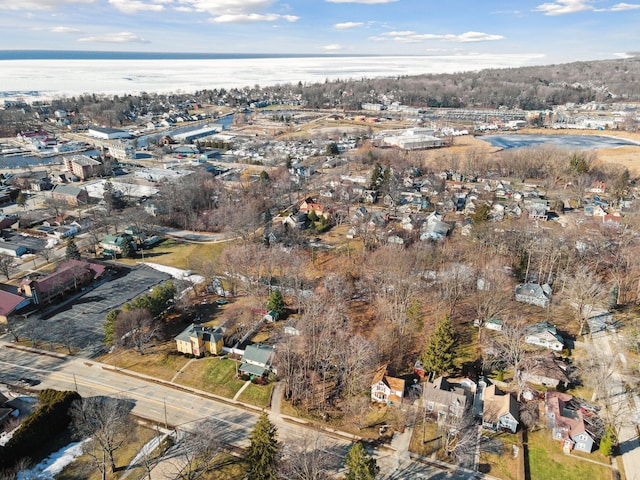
(198, 340)
(256, 361)
(386, 389)
(297, 221)
(70, 194)
(545, 335)
(547, 371)
(370, 196)
(600, 320)
(69, 276)
(500, 410)
(534, 294)
(443, 399)
(113, 244)
(308, 205)
(567, 424)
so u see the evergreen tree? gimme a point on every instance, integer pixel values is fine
(276, 302)
(263, 450)
(376, 177)
(72, 250)
(439, 354)
(360, 466)
(21, 200)
(125, 249)
(109, 324)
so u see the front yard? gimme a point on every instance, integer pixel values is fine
(161, 362)
(548, 462)
(212, 374)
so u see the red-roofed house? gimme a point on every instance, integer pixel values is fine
(567, 424)
(308, 206)
(70, 275)
(9, 303)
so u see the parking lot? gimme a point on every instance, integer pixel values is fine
(81, 323)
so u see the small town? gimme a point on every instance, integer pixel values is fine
(406, 290)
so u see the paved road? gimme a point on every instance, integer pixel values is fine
(182, 410)
(628, 437)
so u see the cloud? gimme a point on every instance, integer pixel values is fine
(333, 47)
(563, 7)
(409, 36)
(121, 37)
(135, 6)
(368, 2)
(253, 18)
(70, 30)
(619, 7)
(346, 25)
(38, 4)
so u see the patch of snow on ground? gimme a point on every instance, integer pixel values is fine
(176, 272)
(146, 450)
(54, 463)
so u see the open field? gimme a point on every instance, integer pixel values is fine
(174, 253)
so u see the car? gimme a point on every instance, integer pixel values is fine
(222, 301)
(28, 382)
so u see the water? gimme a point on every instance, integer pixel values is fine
(572, 142)
(48, 74)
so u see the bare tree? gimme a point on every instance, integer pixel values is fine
(105, 421)
(7, 265)
(585, 293)
(307, 460)
(136, 328)
(199, 450)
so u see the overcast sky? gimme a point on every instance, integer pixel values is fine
(543, 32)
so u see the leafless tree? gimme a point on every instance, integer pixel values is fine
(199, 450)
(105, 421)
(136, 328)
(585, 294)
(307, 460)
(7, 265)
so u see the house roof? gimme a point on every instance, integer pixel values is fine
(258, 353)
(571, 420)
(498, 403)
(443, 393)
(396, 384)
(71, 190)
(66, 271)
(8, 303)
(252, 369)
(198, 331)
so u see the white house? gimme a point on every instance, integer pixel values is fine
(386, 389)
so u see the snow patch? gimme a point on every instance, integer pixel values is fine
(54, 463)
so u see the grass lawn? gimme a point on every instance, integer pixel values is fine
(160, 362)
(213, 374)
(497, 459)
(258, 395)
(424, 438)
(174, 253)
(84, 469)
(547, 462)
(231, 468)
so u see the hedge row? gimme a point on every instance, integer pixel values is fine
(49, 420)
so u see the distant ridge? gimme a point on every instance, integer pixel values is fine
(110, 55)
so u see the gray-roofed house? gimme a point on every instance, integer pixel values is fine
(534, 294)
(256, 361)
(444, 399)
(197, 340)
(543, 334)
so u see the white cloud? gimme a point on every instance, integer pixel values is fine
(253, 18)
(135, 6)
(71, 30)
(333, 47)
(38, 4)
(121, 37)
(619, 7)
(346, 25)
(467, 37)
(368, 2)
(563, 7)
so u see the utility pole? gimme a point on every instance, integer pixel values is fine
(164, 402)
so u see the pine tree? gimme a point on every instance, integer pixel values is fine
(276, 302)
(72, 250)
(360, 466)
(263, 450)
(125, 249)
(439, 354)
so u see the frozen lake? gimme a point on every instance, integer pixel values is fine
(571, 142)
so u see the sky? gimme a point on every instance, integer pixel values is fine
(541, 32)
